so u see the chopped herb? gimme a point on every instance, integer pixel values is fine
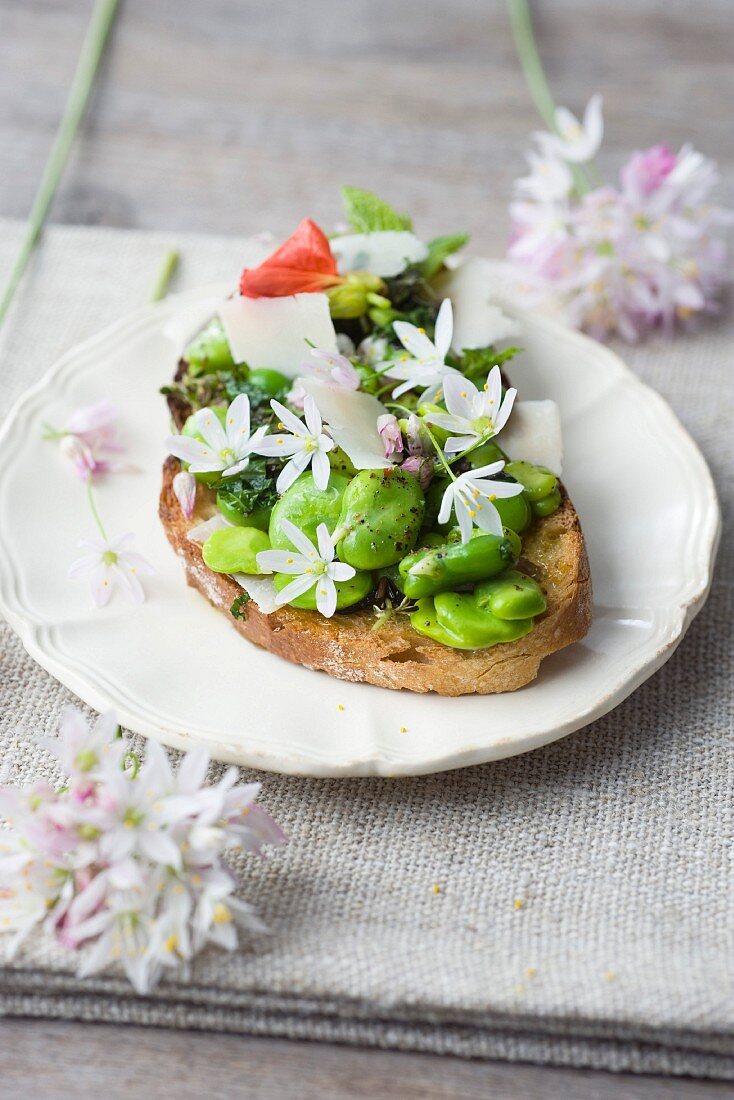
(235, 384)
(237, 605)
(251, 489)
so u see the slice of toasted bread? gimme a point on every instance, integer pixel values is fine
(395, 656)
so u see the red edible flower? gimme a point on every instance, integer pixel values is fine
(304, 264)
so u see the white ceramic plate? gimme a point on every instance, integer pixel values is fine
(175, 669)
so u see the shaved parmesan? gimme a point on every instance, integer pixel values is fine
(200, 532)
(478, 320)
(261, 591)
(533, 434)
(352, 419)
(384, 253)
(275, 332)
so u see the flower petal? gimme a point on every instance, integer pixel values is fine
(209, 427)
(463, 519)
(447, 503)
(291, 422)
(238, 423)
(458, 443)
(296, 588)
(292, 470)
(275, 445)
(459, 395)
(300, 540)
(414, 340)
(281, 561)
(340, 571)
(312, 416)
(325, 545)
(192, 451)
(487, 518)
(444, 329)
(321, 469)
(101, 582)
(130, 583)
(326, 596)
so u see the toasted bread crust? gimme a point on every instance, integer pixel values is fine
(395, 656)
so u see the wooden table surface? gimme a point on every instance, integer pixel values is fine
(232, 116)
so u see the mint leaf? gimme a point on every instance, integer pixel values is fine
(366, 213)
(438, 249)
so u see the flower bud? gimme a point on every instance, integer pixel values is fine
(347, 300)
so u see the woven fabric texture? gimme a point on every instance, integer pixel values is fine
(585, 891)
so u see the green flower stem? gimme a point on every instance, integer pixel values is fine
(91, 54)
(439, 452)
(477, 443)
(93, 506)
(527, 50)
(165, 275)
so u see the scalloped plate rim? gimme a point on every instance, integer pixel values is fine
(137, 716)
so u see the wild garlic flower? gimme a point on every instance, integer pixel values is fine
(574, 141)
(224, 448)
(312, 567)
(475, 414)
(472, 495)
(109, 564)
(425, 364)
(306, 445)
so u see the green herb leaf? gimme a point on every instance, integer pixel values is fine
(251, 489)
(366, 213)
(438, 249)
(260, 409)
(476, 361)
(237, 605)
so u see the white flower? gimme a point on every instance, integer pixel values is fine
(385, 252)
(372, 350)
(549, 180)
(575, 141)
(311, 567)
(184, 490)
(475, 414)
(472, 495)
(427, 366)
(126, 867)
(85, 753)
(224, 448)
(306, 444)
(108, 563)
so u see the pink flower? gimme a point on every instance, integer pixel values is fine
(89, 439)
(333, 368)
(133, 871)
(389, 429)
(422, 468)
(627, 261)
(645, 171)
